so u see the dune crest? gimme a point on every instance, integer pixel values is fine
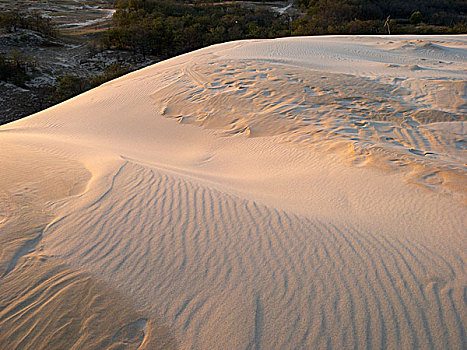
(378, 122)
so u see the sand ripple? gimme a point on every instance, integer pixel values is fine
(199, 256)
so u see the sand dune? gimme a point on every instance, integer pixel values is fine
(293, 193)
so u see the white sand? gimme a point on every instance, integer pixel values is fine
(284, 194)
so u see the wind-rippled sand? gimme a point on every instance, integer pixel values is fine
(293, 193)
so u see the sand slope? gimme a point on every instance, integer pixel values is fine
(292, 193)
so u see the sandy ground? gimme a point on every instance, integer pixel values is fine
(291, 193)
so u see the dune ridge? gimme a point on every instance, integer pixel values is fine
(250, 195)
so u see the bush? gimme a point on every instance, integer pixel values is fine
(111, 72)
(416, 17)
(69, 85)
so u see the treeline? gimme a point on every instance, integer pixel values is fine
(167, 28)
(368, 16)
(11, 21)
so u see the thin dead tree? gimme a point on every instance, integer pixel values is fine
(386, 24)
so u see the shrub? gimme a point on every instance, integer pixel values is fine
(111, 72)
(69, 85)
(416, 17)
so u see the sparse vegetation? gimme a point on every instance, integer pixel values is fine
(11, 21)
